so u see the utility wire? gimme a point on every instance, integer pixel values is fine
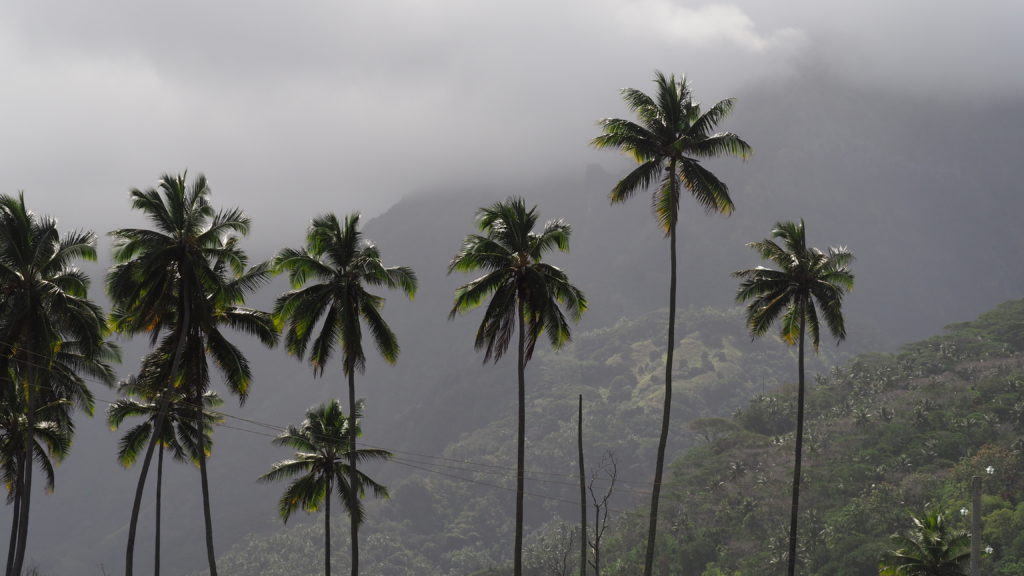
(412, 459)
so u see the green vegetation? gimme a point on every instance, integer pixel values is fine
(340, 262)
(668, 143)
(325, 444)
(807, 281)
(930, 548)
(888, 435)
(526, 295)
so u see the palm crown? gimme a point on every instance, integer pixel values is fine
(188, 275)
(510, 253)
(178, 432)
(669, 140)
(339, 263)
(323, 444)
(808, 280)
(931, 548)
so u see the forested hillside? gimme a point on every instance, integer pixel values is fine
(452, 510)
(889, 435)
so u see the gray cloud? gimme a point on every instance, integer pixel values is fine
(295, 108)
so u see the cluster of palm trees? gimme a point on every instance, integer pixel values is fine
(185, 279)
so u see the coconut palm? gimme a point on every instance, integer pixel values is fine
(931, 548)
(525, 295)
(668, 143)
(51, 335)
(180, 282)
(324, 445)
(329, 303)
(143, 399)
(807, 280)
(50, 440)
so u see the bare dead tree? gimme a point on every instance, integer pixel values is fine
(607, 470)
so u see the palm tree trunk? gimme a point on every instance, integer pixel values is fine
(583, 490)
(211, 557)
(22, 519)
(14, 519)
(161, 416)
(133, 524)
(520, 443)
(159, 488)
(659, 467)
(353, 515)
(799, 444)
(327, 528)
(26, 472)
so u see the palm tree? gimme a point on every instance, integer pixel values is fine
(50, 441)
(325, 445)
(328, 279)
(51, 336)
(524, 291)
(143, 399)
(807, 280)
(180, 282)
(931, 548)
(669, 141)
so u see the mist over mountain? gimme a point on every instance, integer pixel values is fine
(923, 191)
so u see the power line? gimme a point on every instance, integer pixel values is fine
(415, 460)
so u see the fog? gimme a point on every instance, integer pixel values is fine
(891, 127)
(354, 105)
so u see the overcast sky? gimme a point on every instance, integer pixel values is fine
(294, 108)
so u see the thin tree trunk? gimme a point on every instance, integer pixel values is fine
(133, 524)
(799, 444)
(353, 474)
(327, 528)
(520, 444)
(19, 554)
(211, 557)
(16, 517)
(652, 528)
(159, 490)
(26, 472)
(161, 417)
(583, 491)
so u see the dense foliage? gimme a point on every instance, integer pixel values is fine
(889, 436)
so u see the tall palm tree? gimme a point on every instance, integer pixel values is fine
(180, 282)
(807, 280)
(325, 445)
(931, 548)
(143, 399)
(525, 296)
(51, 334)
(668, 143)
(328, 304)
